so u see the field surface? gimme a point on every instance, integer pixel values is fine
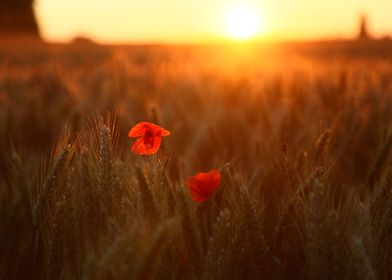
(301, 134)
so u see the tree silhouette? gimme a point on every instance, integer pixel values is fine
(363, 29)
(17, 18)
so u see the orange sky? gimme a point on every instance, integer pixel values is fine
(186, 21)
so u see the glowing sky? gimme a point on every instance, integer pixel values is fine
(203, 20)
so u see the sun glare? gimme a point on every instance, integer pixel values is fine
(242, 23)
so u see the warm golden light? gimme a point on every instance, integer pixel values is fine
(179, 21)
(242, 22)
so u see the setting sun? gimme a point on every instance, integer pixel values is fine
(242, 22)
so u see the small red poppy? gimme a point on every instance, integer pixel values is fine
(202, 185)
(150, 137)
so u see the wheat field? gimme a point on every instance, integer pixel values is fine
(300, 135)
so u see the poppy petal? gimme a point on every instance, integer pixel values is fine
(164, 132)
(141, 128)
(138, 130)
(196, 194)
(202, 185)
(141, 147)
(157, 130)
(213, 177)
(156, 144)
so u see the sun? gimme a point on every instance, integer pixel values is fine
(242, 22)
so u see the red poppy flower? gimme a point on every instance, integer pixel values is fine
(202, 185)
(150, 137)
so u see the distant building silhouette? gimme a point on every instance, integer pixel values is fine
(363, 29)
(17, 18)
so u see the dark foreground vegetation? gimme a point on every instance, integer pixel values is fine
(303, 145)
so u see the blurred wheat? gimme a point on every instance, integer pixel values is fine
(304, 155)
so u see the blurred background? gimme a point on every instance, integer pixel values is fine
(175, 21)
